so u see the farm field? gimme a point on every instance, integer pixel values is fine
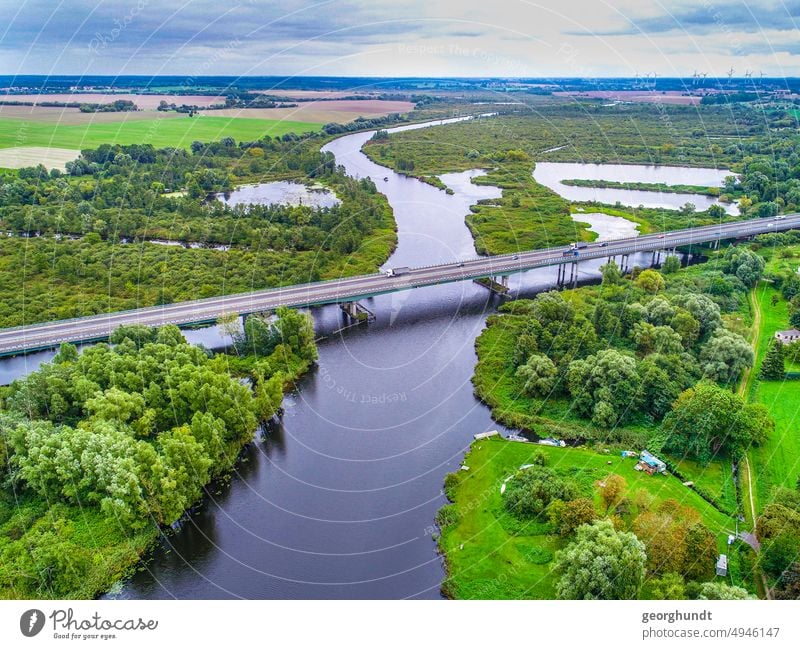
(29, 156)
(340, 111)
(144, 102)
(157, 131)
(73, 116)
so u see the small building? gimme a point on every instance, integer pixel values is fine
(722, 565)
(787, 336)
(650, 464)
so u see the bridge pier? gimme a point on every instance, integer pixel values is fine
(573, 274)
(496, 284)
(357, 312)
(562, 270)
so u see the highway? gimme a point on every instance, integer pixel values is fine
(91, 328)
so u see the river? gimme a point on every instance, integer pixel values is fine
(338, 499)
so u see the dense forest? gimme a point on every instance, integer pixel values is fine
(85, 234)
(105, 448)
(617, 359)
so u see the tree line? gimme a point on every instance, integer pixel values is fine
(131, 433)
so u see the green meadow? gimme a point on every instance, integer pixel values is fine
(493, 555)
(159, 131)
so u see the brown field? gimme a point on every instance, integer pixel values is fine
(74, 117)
(321, 112)
(145, 102)
(310, 94)
(29, 156)
(645, 96)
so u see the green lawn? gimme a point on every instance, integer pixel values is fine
(159, 131)
(714, 479)
(492, 555)
(778, 461)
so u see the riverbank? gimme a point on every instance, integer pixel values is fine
(76, 540)
(491, 554)
(527, 216)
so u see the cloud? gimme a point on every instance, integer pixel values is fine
(706, 17)
(383, 38)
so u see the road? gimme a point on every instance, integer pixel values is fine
(51, 334)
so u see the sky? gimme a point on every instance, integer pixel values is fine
(506, 38)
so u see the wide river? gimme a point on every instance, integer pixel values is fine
(338, 499)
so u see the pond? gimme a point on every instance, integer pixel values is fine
(606, 226)
(280, 193)
(551, 174)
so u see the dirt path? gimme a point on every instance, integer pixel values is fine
(747, 376)
(744, 391)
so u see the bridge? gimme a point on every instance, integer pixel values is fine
(347, 291)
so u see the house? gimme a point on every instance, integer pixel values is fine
(788, 336)
(650, 464)
(722, 565)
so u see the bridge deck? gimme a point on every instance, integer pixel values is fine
(90, 328)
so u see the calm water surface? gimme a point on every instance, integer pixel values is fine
(551, 174)
(337, 499)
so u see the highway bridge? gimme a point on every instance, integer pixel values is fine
(351, 289)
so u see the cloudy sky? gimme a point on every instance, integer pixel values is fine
(403, 38)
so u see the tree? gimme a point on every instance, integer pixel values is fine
(532, 490)
(788, 586)
(779, 552)
(773, 366)
(612, 490)
(687, 327)
(720, 590)
(139, 334)
(261, 336)
(707, 419)
(551, 307)
(611, 274)
(659, 311)
(672, 264)
(703, 309)
(725, 356)
(571, 515)
(663, 538)
(608, 378)
(229, 325)
(701, 552)
(539, 375)
(668, 586)
(650, 280)
(296, 329)
(662, 339)
(601, 563)
(745, 264)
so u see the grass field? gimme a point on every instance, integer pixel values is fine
(493, 555)
(158, 131)
(29, 156)
(778, 461)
